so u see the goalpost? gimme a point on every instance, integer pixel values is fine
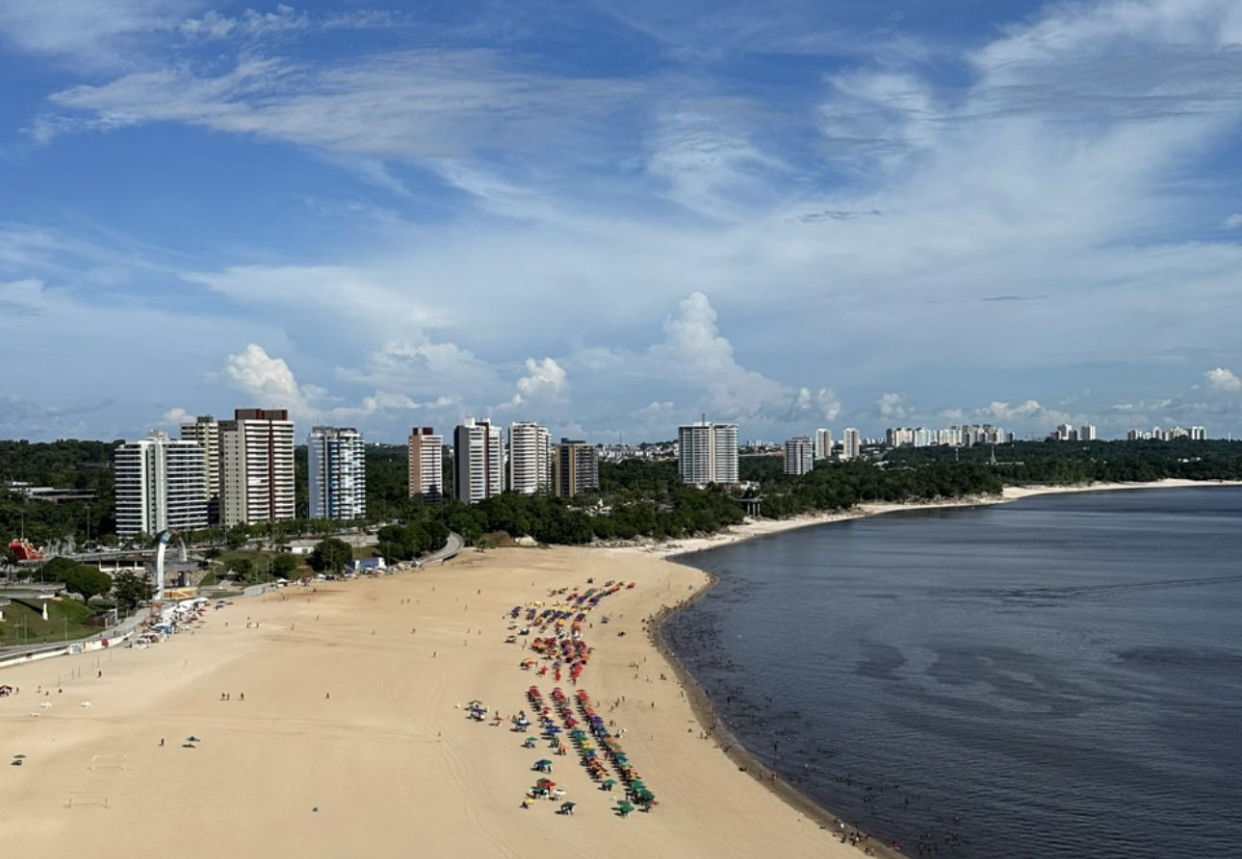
(85, 798)
(109, 762)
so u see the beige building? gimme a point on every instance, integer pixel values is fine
(426, 454)
(575, 468)
(256, 467)
(205, 432)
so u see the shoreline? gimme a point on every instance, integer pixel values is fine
(700, 702)
(755, 528)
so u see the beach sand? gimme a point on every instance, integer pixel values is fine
(390, 764)
(390, 760)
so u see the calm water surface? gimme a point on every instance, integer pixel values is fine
(1060, 676)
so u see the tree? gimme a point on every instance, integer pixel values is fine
(87, 581)
(331, 555)
(237, 536)
(243, 568)
(131, 590)
(284, 566)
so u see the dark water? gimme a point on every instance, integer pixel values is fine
(1060, 676)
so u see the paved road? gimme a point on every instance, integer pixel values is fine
(454, 545)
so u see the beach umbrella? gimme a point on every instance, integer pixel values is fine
(624, 807)
(192, 739)
(610, 783)
(543, 763)
(546, 783)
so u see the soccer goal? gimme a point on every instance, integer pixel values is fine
(109, 762)
(87, 799)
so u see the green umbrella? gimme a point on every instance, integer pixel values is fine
(18, 757)
(624, 807)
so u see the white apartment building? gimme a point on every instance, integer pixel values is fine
(160, 485)
(1198, 433)
(336, 457)
(1088, 432)
(205, 431)
(426, 451)
(707, 453)
(530, 458)
(478, 461)
(823, 443)
(799, 456)
(851, 443)
(256, 467)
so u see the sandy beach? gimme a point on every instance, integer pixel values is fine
(344, 728)
(352, 737)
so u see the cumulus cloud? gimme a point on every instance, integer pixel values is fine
(1222, 379)
(894, 407)
(694, 351)
(818, 404)
(545, 381)
(269, 382)
(1233, 222)
(175, 417)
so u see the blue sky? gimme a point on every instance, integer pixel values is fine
(611, 217)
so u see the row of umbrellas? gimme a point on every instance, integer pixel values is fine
(636, 788)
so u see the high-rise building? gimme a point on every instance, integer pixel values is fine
(256, 467)
(160, 485)
(1088, 432)
(799, 456)
(1198, 433)
(823, 443)
(530, 458)
(336, 460)
(478, 461)
(206, 432)
(707, 453)
(851, 443)
(575, 468)
(426, 450)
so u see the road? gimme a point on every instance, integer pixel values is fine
(452, 546)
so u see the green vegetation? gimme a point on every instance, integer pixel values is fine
(1038, 462)
(78, 578)
(131, 590)
(331, 556)
(23, 622)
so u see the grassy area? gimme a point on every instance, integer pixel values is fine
(23, 622)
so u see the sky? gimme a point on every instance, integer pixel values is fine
(614, 217)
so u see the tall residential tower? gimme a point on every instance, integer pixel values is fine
(426, 452)
(530, 458)
(478, 461)
(160, 484)
(707, 453)
(256, 467)
(336, 459)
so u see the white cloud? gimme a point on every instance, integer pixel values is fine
(894, 407)
(820, 404)
(175, 417)
(545, 381)
(695, 352)
(269, 382)
(1222, 379)
(1233, 222)
(87, 32)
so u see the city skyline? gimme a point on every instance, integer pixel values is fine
(862, 214)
